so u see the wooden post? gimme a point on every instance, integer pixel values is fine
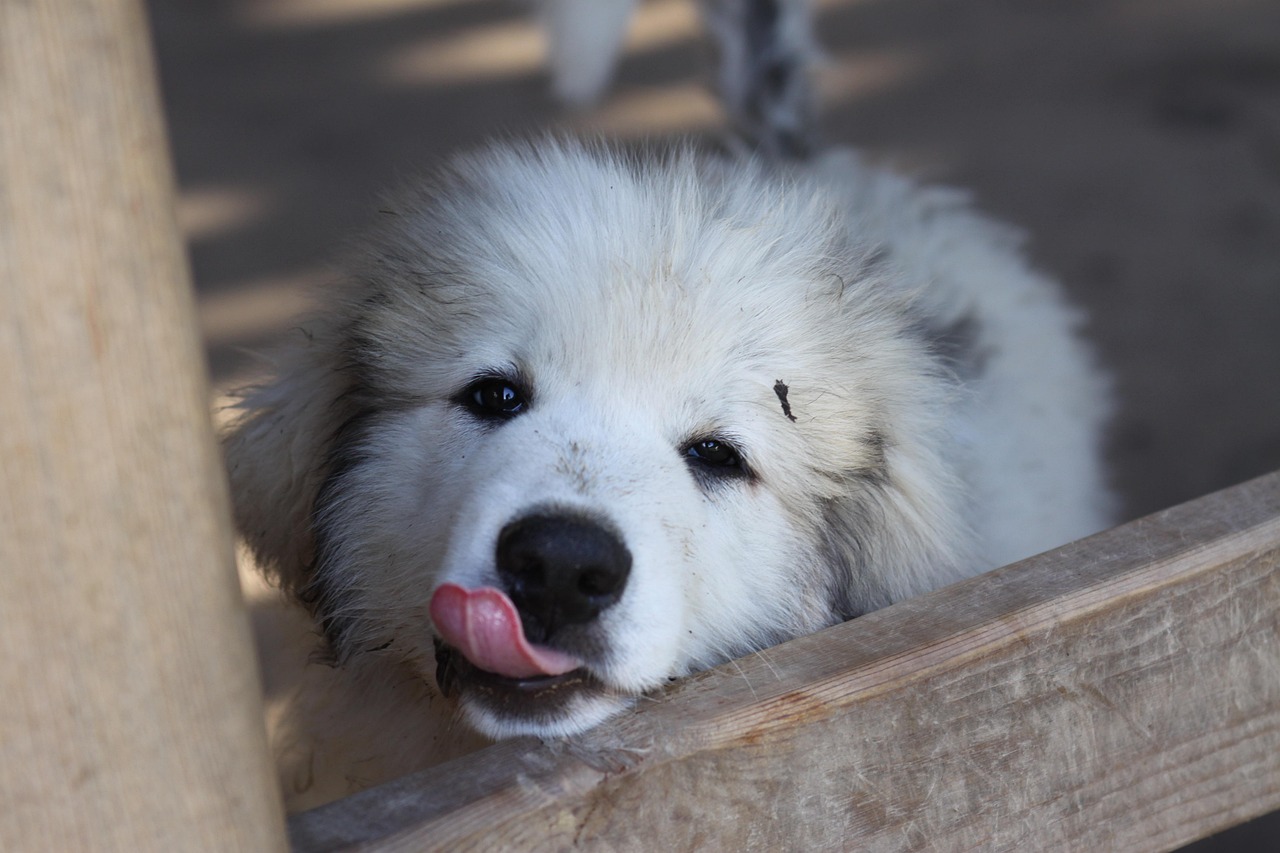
(1120, 693)
(130, 709)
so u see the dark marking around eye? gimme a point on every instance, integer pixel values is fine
(780, 388)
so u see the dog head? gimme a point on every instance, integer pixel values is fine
(581, 421)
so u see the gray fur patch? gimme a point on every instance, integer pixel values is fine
(847, 523)
(328, 602)
(958, 346)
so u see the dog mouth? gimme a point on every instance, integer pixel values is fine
(518, 696)
(483, 656)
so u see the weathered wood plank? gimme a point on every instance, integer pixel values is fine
(131, 716)
(1122, 692)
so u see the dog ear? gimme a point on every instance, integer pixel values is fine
(896, 532)
(277, 452)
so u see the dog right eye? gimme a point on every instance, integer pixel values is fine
(715, 458)
(493, 398)
(714, 453)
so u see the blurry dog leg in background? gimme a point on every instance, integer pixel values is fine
(764, 72)
(765, 52)
(584, 38)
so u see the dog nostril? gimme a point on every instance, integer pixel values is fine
(561, 570)
(593, 583)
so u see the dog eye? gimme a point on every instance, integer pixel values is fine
(493, 397)
(713, 453)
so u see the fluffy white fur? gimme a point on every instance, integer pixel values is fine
(944, 418)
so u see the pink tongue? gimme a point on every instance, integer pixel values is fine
(483, 625)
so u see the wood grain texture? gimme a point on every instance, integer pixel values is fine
(131, 717)
(1120, 693)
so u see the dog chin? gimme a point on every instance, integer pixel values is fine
(543, 706)
(500, 716)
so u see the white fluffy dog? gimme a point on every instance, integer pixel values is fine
(582, 420)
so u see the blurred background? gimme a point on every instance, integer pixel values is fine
(1137, 142)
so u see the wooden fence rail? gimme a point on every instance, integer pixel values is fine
(1120, 693)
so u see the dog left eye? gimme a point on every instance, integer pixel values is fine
(714, 454)
(494, 398)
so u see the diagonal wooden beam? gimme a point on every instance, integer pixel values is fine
(1120, 693)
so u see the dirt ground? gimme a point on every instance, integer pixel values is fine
(1136, 141)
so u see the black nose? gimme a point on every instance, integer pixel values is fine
(560, 570)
